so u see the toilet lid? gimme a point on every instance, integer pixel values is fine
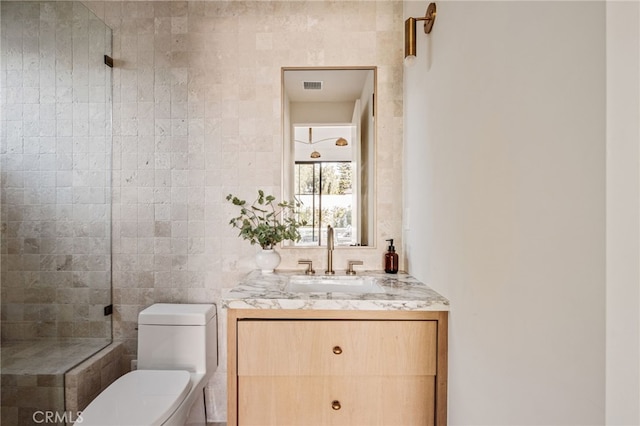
(142, 397)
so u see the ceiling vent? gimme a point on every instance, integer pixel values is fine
(312, 85)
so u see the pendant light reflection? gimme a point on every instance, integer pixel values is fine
(340, 141)
(314, 154)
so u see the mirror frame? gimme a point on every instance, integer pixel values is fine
(372, 229)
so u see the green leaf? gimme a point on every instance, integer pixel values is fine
(269, 224)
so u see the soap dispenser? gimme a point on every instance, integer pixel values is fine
(391, 259)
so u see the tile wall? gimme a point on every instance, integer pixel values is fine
(86, 380)
(197, 115)
(55, 171)
(26, 398)
(44, 376)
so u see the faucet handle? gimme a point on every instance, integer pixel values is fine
(350, 270)
(309, 263)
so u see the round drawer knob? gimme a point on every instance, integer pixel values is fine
(336, 405)
(337, 350)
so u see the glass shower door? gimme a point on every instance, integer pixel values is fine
(55, 199)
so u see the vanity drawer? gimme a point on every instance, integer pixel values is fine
(368, 400)
(336, 347)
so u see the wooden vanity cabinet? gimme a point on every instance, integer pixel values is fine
(337, 367)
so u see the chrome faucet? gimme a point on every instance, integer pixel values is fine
(329, 270)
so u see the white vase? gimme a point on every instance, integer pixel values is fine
(267, 260)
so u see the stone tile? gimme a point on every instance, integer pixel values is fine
(199, 82)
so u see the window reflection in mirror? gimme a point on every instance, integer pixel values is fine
(329, 146)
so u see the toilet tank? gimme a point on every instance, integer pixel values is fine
(178, 337)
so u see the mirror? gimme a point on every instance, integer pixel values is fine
(329, 152)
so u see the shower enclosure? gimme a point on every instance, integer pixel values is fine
(55, 201)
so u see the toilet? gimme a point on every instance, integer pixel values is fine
(177, 354)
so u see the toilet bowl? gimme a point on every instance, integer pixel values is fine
(177, 354)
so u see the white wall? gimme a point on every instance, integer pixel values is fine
(623, 214)
(505, 204)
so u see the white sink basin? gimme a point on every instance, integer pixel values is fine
(332, 284)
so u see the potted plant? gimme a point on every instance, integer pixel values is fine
(266, 223)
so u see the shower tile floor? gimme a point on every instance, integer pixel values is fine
(54, 356)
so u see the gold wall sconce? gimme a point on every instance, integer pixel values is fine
(410, 33)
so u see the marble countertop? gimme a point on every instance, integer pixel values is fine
(267, 291)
